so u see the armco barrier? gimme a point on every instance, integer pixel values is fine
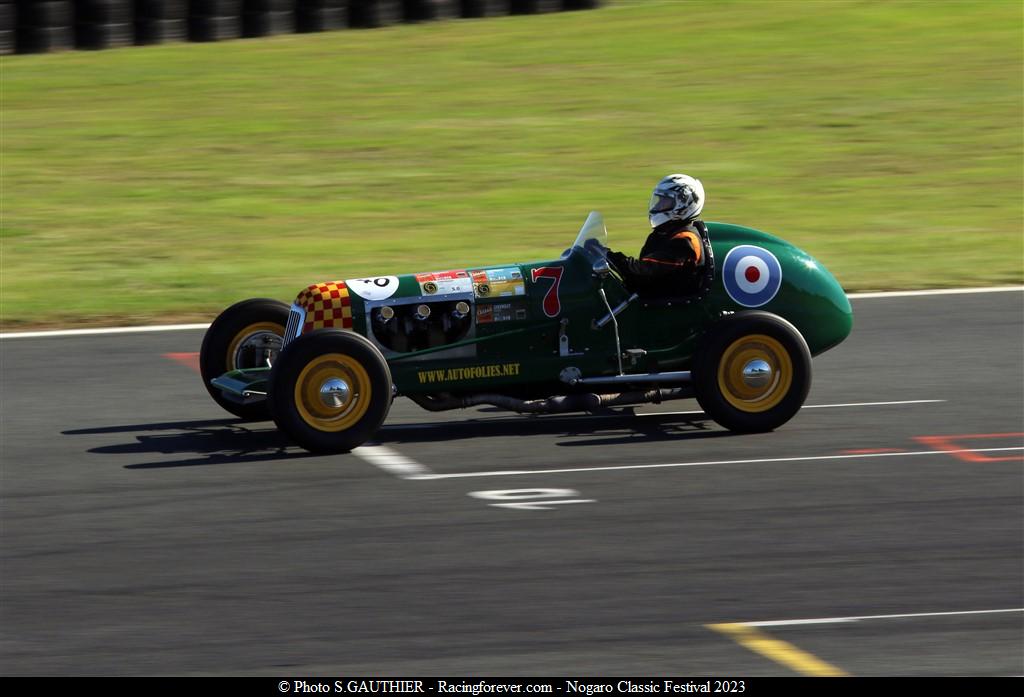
(47, 25)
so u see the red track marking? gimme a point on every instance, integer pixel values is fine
(954, 445)
(872, 451)
(189, 360)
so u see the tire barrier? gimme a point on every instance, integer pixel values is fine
(157, 21)
(30, 26)
(268, 17)
(320, 15)
(6, 27)
(428, 10)
(43, 26)
(214, 20)
(530, 7)
(104, 23)
(371, 14)
(473, 9)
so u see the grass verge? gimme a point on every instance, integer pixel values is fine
(166, 182)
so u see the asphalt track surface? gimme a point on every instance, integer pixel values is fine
(144, 531)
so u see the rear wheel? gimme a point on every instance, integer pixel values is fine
(246, 335)
(330, 391)
(753, 372)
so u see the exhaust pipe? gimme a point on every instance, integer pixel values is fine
(589, 402)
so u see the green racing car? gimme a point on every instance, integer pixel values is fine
(561, 335)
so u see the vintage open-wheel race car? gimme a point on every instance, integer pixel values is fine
(545, 337)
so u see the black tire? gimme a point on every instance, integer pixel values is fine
(215, 8)
(752, 404)
(531, 7)
(269, 5)
(214, 28)
(313, 19)
(44, 39)
(161, 9)
(105, 11)
(299, 376)
(155, 31)
(6, 17)
(224, 348)
(97, 36)
(472, 9)
(46, 13)
(267, 23)
(7, 42)
(428, 10)
(582, 4)
(370, 14)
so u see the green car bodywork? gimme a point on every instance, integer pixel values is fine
(516, 329)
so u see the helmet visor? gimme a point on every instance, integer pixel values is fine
(661, 203)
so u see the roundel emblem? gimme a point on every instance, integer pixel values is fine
(752, 275)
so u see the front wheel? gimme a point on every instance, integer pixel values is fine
(246, 335)
(330, 390)
(753, 372)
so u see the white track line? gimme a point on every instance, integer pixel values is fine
(711, 463)
(392, 462)
(936, 291)
(185, 327)
(106, 330)
(836, 620)
(873, 404)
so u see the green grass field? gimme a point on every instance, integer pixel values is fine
(164, 183)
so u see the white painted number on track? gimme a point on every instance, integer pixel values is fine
(530, 499)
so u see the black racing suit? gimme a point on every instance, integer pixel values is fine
(668, 263)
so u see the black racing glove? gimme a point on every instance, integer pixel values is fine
(618, 260)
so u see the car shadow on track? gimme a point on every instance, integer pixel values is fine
(212, 442)
(231, 441)
(573, 431)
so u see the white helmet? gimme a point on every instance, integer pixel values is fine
(676, 197)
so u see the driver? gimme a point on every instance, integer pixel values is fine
(670, 258)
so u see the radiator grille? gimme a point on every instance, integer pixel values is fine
(296, 317)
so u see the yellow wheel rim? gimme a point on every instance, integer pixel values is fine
(248, 335)
(333, 392)
(755, 373)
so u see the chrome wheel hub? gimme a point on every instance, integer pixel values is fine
(757, 373)
(335, 393)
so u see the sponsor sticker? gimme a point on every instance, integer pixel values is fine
(374, 288)
(496, 312)
(475, 372)
(752, 275)
(497, 283)
(444, 282)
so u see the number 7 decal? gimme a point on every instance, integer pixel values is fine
(552, 305)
